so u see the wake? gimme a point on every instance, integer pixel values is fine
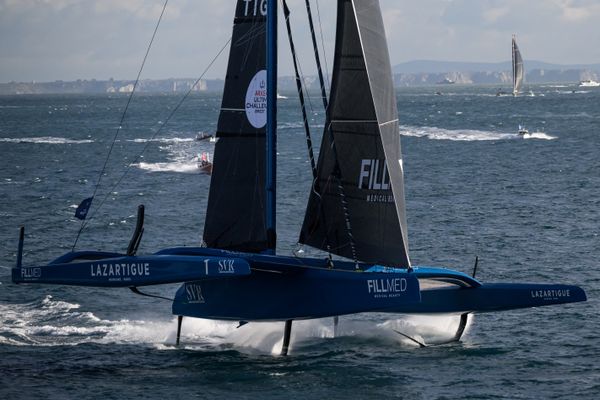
(434, 133)
(48, 322)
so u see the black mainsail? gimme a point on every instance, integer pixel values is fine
(356, 207)
(517, 67)
(235, 217)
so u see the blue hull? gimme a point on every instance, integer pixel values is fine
(282, 288)
(100, 269)
(226, 285)
(492, 297)
(312, 293)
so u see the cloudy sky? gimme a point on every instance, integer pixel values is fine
(46, 40)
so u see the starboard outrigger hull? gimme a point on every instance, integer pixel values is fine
(445, 291)
(492, 297)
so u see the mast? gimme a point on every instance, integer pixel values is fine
(271, 159)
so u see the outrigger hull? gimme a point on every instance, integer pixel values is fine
(492, 297)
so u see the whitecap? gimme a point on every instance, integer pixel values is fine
(46, 140)
(538, 135)
(162, 140)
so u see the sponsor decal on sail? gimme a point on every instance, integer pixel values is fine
(255, 7)
(256, 100)
(374, 177)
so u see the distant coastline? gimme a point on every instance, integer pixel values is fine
(413, 73)
(111, 86)
(426, 72)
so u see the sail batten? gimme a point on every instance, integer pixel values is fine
(365, 133)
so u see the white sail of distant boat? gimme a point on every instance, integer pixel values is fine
(517, 67)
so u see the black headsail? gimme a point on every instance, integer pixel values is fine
(235, 217)
(356, 208)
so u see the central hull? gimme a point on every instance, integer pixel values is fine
(312, 293)
(281, 288)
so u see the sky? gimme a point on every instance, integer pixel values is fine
(47, 40)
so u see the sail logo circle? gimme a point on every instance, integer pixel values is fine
(256, 100)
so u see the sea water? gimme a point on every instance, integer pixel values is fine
(527, 206)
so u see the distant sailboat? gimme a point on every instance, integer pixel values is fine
(517, 67)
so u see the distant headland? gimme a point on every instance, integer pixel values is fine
(412, 73)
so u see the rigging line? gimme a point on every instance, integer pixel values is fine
(307, 97)
(303, 77)
(112, 145)
(128, 167)
(311, 156)
(337, 174)
(323, 43)
(316, 50)
(299, 82)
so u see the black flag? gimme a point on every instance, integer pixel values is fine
(83, 208)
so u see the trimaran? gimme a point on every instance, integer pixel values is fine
(355, 208)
